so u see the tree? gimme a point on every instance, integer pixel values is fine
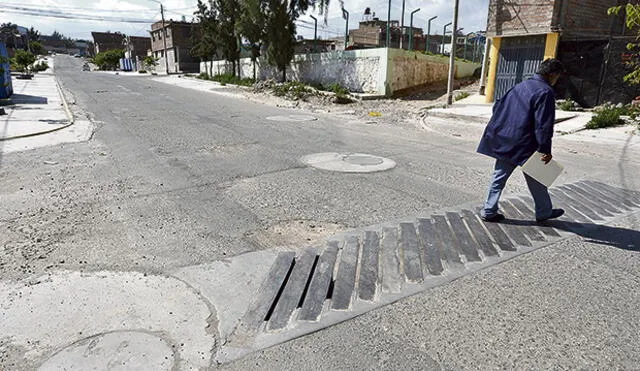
(632, 21)
(36, 48)
(33, 34)
(251, 26)
(281, 36)
(8, 33)
(24, 61)
(57, 35)
(149, 62)
(227, 12)
(69, 43)
(108, 60)
(203, 36)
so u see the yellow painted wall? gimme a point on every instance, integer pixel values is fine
(493, 68)
(551, 46)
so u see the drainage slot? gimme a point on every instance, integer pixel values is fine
(277, 298)
(308, 283)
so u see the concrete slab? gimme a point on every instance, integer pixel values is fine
(114, 351)
(201, 85)
(91, 304)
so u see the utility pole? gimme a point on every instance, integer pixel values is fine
(452, 57)
(164, 40)
(485, 65)
(164, 37)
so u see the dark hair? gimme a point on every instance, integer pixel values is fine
(550, 66)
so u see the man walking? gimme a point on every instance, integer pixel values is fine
(521, 124)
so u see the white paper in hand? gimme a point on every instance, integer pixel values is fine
(538, 170)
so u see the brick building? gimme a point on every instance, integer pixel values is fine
(373, 34)
(177, 36)
(578, 32)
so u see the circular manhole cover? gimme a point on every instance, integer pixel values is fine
(348, 162)
(292, 118)
(127, 350)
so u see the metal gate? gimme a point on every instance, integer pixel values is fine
(519, 59)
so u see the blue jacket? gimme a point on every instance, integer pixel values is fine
(522, 122)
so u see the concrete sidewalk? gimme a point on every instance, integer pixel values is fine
(474, 109)
(38, 107)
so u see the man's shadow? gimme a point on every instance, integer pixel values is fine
(621, 238)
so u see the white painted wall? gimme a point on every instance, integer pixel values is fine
(375, 71)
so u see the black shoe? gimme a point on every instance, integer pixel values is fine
(555, 213)
(493, 218)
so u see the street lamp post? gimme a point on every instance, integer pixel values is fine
(426, 46)
(315, 32)
(444, 32)
(411, 29)
(164, 38)
(345, 15)
(389, 25)
(466, 41)
(402, 27)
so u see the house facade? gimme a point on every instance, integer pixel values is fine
(173, 42)
(136, 46)
(373, 34)
(578, 32)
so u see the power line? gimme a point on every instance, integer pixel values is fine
(71, 8)
(56, 14)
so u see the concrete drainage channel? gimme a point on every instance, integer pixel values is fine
(299, 292)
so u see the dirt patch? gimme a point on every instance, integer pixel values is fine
(295, 234)
(403, 110)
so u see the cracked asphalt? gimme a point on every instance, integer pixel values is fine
(174, 177)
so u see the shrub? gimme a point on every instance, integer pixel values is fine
(293, 90)
(39, 67)
(462, 95)
(23, 61)
(203, 76)
(338, 89)
(108, 60)
(607, 116)
(568, 105)
(142, 71)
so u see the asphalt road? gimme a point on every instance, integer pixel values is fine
(174, 177)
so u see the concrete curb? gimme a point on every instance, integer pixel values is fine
(67, 111)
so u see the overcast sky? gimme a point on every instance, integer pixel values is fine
(77, 18)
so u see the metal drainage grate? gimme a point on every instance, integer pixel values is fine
(359, 272)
